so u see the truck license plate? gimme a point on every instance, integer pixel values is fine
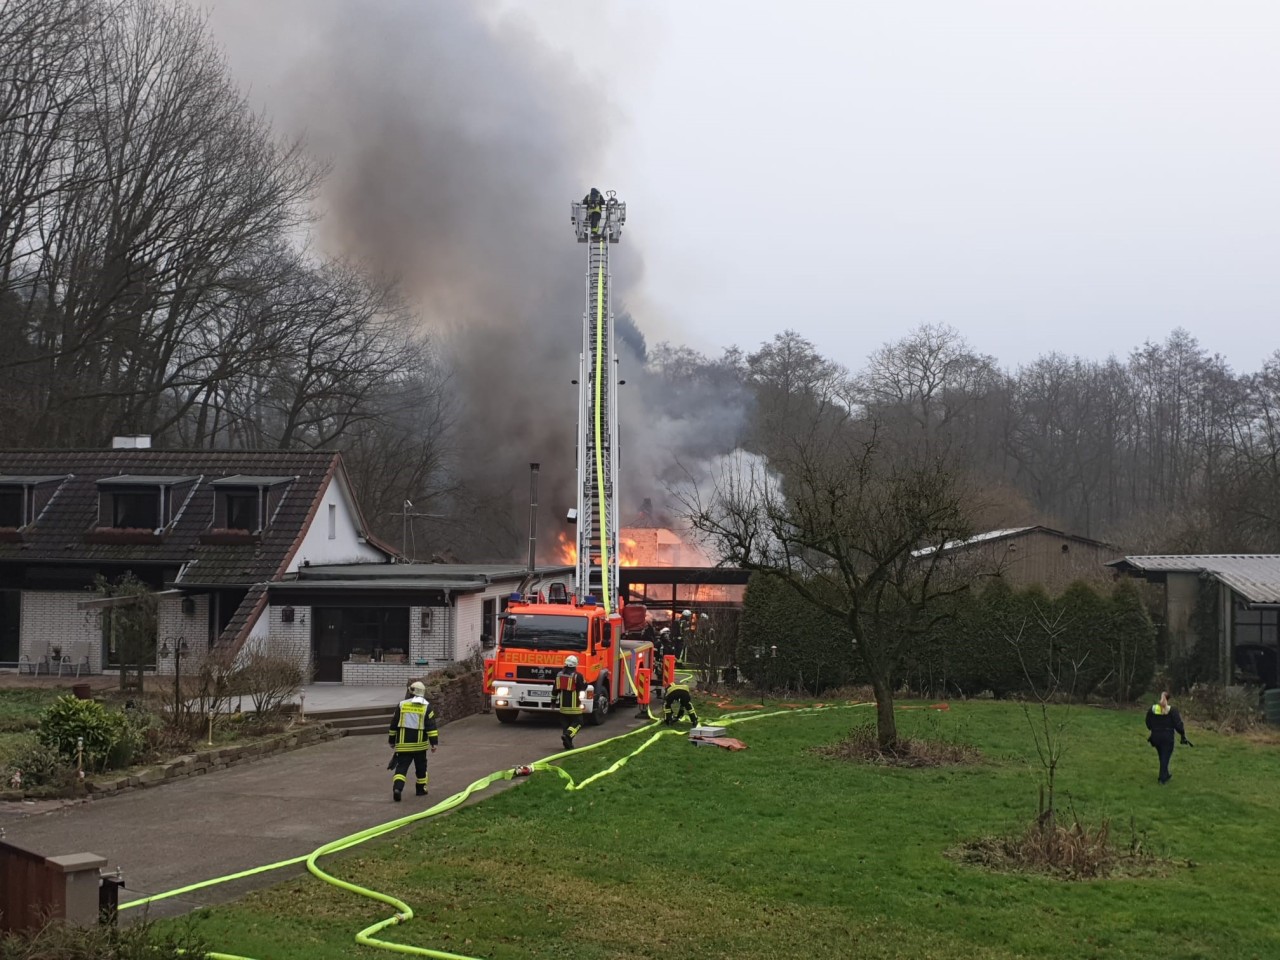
(539, 694)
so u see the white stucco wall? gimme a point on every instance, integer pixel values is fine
(346, 545)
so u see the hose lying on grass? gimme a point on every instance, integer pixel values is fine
(403, 912)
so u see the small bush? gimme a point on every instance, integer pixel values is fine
(268, 681)
(34, 765)
(107, 735)
(1220, 708)
(137, 941)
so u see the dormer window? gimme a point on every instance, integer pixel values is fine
(13, 507)
(22, 499)
(244, 510)
(247, 504)
(136, 509)
(131, 502)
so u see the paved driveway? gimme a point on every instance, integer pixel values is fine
(209, 826)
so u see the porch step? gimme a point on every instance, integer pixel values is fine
(356, 721)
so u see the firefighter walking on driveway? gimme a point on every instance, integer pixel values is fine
(678, 701)
(412, 731)
(570, 685)
(1163, 721)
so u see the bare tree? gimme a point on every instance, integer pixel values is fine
(851, 529)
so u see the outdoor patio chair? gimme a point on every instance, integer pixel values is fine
(75, 654)
(32, 662)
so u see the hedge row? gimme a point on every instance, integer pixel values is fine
(1084, 642)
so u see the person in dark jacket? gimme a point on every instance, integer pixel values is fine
(412, 731)
(1163, 721)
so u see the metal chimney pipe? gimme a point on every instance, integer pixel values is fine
(533, 514)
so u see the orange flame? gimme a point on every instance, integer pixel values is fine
(567, 551)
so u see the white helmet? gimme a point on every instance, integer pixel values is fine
(665, 630)
(417, 688)
(571, 661)
(688, 613)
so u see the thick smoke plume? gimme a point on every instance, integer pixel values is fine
(457, 144)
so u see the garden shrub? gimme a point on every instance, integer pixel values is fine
(35, 765)
(268, 680)
(107, 735)
(137, 941)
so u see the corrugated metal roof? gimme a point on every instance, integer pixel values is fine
(976, 538)
(1255, 576)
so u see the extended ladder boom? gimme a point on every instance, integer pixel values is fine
(598, 221)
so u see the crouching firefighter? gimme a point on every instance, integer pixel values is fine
(412, 730)
(569, 689)
(678, 702)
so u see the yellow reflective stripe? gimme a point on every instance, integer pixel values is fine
(600, 478)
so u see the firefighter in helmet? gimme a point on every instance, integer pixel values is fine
(568, 691)
(412, 731)
(677, 703)
(594, 202)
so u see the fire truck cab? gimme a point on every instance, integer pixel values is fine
(536, 637)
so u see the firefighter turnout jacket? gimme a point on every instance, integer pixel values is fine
(568, 689)
(413, 727)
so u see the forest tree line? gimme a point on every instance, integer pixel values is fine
(158, 276)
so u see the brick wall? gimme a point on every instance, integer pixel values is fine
(292, 640)
(380, 674)
(52, 616)
(173, 626)
(432, 643)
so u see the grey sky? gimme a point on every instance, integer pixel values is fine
(1074, 176)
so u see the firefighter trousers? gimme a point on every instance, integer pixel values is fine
(677, 704)
(419, 760)
(570, 724)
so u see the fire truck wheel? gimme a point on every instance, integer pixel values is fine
(602, 707)
(506, 716)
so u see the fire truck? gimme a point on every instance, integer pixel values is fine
(590, 621)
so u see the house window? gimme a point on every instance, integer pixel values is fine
(136, 509)
(12, 507)
(333, 522)
(242, 511)
(1257, 627)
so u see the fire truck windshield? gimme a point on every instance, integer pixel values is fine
(538, 631)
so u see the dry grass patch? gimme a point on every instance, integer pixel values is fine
(934, 749)
(1068, 851)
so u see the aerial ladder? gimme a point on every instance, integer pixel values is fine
(598, 221)
(539, 631)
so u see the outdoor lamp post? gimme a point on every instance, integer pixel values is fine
(179, 650)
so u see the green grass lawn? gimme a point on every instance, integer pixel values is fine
(19, 714)
(774, 852)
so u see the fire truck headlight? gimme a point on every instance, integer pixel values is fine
(503, 691)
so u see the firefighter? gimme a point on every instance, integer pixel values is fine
(661, 648)
(412, 730)
(684, 633)
(678, 701)
(568, 690)
(594, 202)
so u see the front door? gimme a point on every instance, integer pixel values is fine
(327, 651)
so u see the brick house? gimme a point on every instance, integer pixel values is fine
(247, 550)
